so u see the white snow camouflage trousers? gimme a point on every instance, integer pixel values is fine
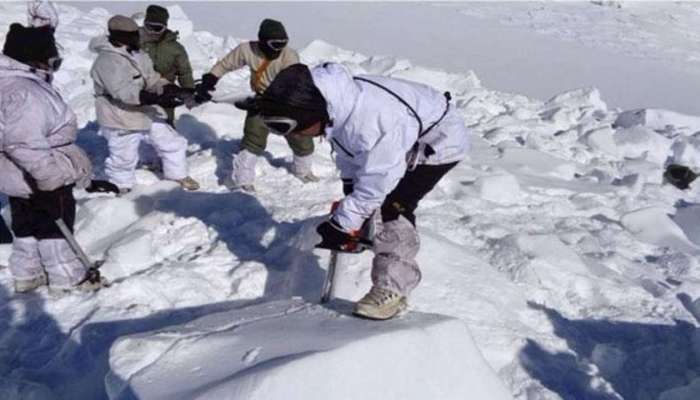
(244, 167)
(120, 166)
(31, 258)
(394, 266)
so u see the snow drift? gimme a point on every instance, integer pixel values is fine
(293, 350)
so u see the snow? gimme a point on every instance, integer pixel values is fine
(294, 350)
(554, 257)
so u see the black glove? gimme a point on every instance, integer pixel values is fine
(679, 176)
(333, 238)
(97, 186)
(249, 104)
(202, 89)
(170, 101)
(147, 98)
(209, 82)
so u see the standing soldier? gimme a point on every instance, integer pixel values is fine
(265, 57)
(169, 57)
(39, 162)
(129, 100)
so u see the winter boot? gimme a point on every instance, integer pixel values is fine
(25, 265)
(243, 174)
(188, 183)
(301, 168)
(27, 285)
(380, 304)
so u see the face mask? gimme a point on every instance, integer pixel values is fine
(131, 40)
(270, 53)
(55, 63)
(155, 28)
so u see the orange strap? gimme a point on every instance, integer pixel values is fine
(259, 73)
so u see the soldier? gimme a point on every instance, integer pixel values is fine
(40, 162)
(169, 57)
(129, 98)
(394, 140)
(265, 57)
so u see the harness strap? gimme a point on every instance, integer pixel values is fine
(421, 132)
(259, 74)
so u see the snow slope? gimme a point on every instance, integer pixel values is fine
(556, 243)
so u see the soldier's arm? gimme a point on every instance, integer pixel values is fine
(183, 68)
(233, 60)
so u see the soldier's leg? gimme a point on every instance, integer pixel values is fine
(253, 145)
(303, 149)
(120, 165)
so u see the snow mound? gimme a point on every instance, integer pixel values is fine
(294, 350)
(659, 120)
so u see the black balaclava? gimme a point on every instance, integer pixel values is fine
(294, 95)
(271, 30)
(30, 45)
(158, 16)
(124, 31)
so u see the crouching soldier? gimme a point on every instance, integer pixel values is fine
(394, 140)
(39, 162)
(265, 57)
(169, 57)
(129, 100)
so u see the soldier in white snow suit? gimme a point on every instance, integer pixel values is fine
(42, 13)
(265, 58)
(129, 100)
(393, 141)
(39, 161)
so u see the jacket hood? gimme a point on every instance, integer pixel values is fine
(339, 89)
(101, 44)
(167, 36)
(11, 67)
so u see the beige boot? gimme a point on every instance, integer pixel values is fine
(188, 183)
(380, 304)
(27, 285)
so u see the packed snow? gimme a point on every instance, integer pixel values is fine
(556, 263)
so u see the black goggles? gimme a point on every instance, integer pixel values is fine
(280, 125)
(154, 27)
(277, 44)
(54, 63)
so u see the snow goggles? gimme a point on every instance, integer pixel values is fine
(54, 63)
(277, 44)
(154, 27)
(280, 125)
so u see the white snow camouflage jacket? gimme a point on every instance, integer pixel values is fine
(119, 77)
(37, 134)
(373, 132)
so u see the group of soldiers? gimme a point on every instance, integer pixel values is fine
(153, 52)
(393, 141)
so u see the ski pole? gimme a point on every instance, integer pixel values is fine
(92, 269)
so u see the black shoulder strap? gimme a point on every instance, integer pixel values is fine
(421, 132)
(399, 98)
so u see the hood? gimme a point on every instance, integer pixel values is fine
(340, 91)
(11, 67)
(167, 36)
(101, 44)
